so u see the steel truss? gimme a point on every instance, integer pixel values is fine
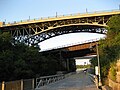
(37, 38)
(33, 33)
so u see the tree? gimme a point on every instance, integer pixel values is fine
(20, 61)
(110, 47)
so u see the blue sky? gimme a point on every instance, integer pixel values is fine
(16, 10)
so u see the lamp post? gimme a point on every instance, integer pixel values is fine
(56, 14)
(119, 6)
(99, 75)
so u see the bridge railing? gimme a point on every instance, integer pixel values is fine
(41, 81)
(29, 84)
(60, 16)
(48, 79)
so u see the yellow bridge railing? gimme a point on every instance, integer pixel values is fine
(56, 17)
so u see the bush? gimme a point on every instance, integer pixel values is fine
(112, 71)
(109, 49)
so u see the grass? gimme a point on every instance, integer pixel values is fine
(82, 66)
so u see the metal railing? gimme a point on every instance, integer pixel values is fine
(29, 84)
(41, 81)
(60, 16)
(48, 79)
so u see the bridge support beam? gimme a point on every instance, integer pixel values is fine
(68, 68)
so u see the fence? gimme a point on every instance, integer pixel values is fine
(13, 85)
(41, 81)
(27, 84)
(0, 86)
(48, 79)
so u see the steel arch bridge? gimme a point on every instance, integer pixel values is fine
(34, 31)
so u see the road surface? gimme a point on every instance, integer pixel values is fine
(78, 81)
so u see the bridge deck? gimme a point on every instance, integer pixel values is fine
(78, 81)
(62, 17)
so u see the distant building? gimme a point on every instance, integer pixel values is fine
(84, 60)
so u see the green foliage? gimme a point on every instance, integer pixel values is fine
(112, 72)
(114, 24)
(5, 41)
(82, 66)
(20, 61)
(109, 48)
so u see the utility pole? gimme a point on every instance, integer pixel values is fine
(29, 17)
(86, 10)
(56, 14)
(99, 75)
(119, 6)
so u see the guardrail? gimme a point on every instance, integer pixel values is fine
(29, 84)
(48, 79)
(41, 81)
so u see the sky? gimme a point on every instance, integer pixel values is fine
(16, 10)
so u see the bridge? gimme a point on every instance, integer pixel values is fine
(79, 49)
(75, 46)
(66, 54)
(35, 31)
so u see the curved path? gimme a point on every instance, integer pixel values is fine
(78, 81)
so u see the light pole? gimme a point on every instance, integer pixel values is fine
(99, 75)
(119, 6)
(56, 14)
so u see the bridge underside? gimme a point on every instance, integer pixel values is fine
(75, 50)
(79, 53)
(35, 32)
(65, 56)
(64, 30)
(27, 35)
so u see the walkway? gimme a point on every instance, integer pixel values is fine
(78, 81)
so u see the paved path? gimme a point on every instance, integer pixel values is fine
(78, 81)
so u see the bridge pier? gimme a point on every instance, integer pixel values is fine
(67, 64)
